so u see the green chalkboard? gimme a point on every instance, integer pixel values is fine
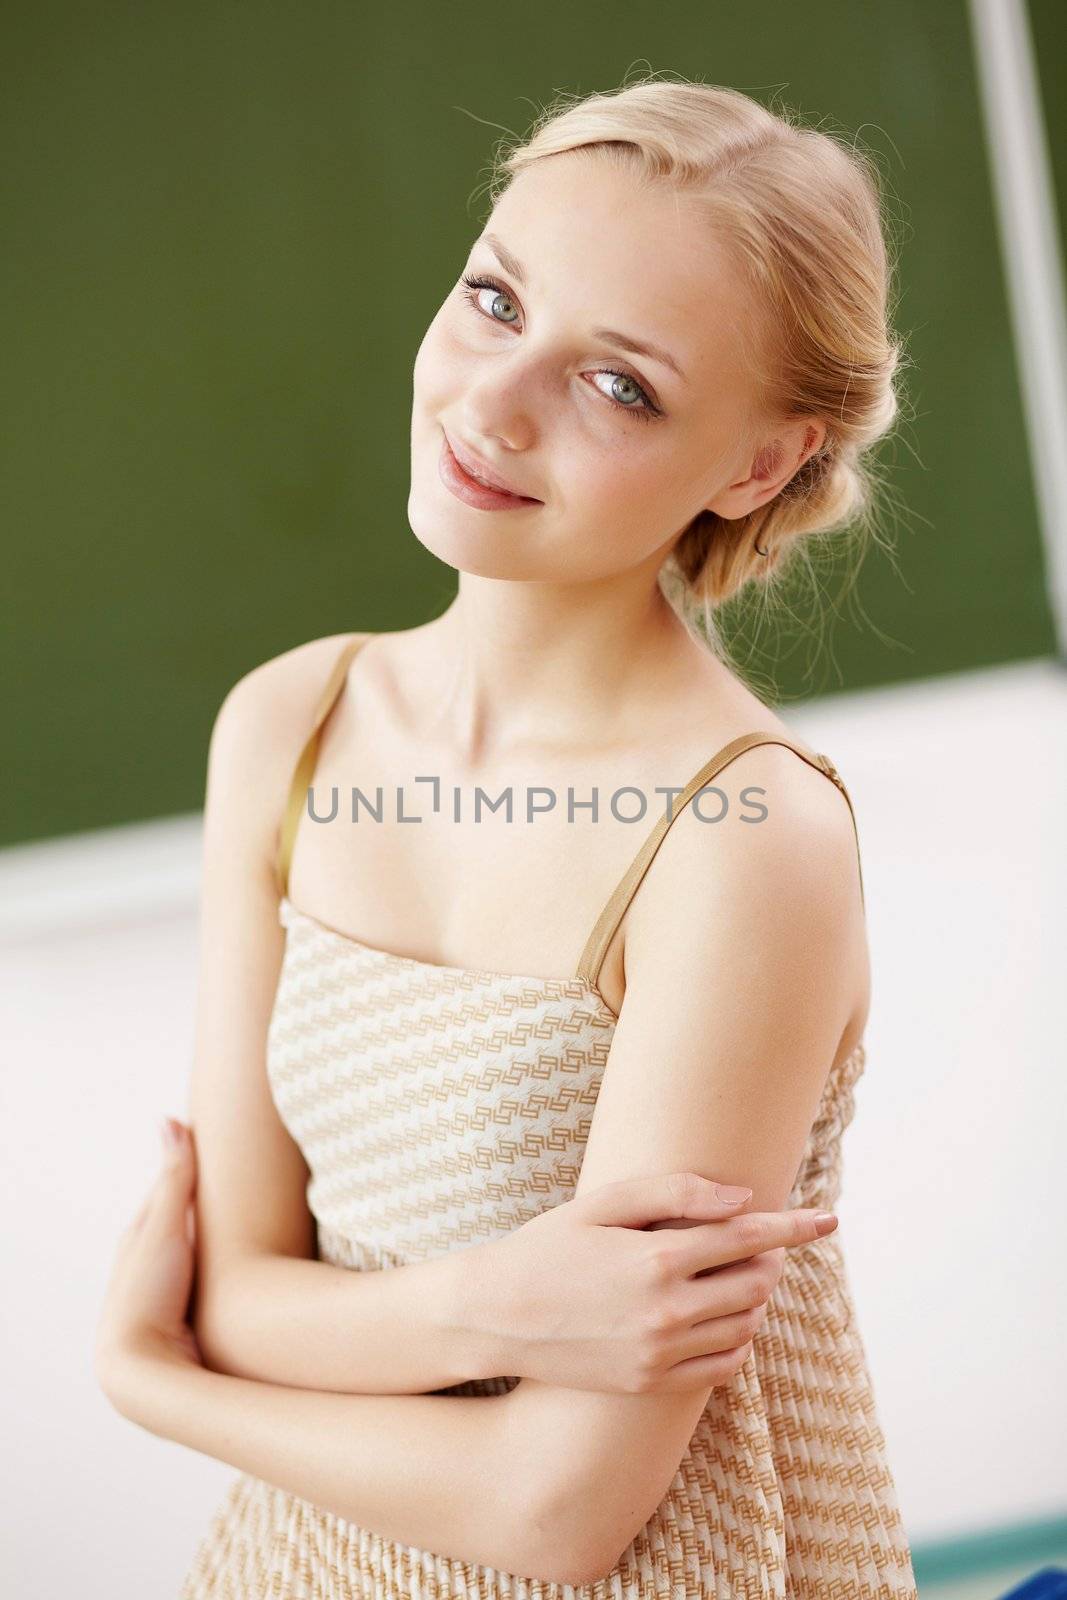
(1048, 31)
(227, 230)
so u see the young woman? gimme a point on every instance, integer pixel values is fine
(505, 1052)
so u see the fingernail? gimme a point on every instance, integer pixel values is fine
(731, 1194)
(825, 1222)
(169, 1134)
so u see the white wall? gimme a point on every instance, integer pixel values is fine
(953, 1209)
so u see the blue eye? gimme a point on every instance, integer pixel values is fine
(648, 411)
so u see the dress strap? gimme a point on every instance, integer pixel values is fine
(609, 919)
(305, 766)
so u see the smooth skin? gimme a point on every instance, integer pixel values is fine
(739, 975)
(148, 1364)
(638, 1318)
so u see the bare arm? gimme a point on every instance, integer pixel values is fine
(313, 1325)
(264, 1306)
(443, 1473)
(739, 1006)
(544, 1481)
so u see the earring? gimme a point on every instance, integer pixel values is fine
(759, 551)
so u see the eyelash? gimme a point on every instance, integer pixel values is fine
(649, 412)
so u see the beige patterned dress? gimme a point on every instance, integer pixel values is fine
(439, 1106)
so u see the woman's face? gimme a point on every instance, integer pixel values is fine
(522, 376)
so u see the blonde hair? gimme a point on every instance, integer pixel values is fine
(800, 210)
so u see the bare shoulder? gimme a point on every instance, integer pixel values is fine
(275, 698)
(259, 731)
(770, 824)
(265, 720)
(764, 872)
(266, 717)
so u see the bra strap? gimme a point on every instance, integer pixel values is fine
(609, 919)
(305, 766)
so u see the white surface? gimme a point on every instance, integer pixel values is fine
(953, 1209)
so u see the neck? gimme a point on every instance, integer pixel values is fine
(532, 665)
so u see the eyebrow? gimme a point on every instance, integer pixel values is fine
(625, 341)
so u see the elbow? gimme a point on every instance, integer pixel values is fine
(581, 1566)
(549, 1541)
(581, 1575)
(205, 1343)
(555, 1563)
(593, 1566)
(576, 1536)
(573, 1513)
(208, 1321)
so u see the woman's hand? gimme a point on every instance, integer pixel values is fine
(581, 1296)
(146, 1305)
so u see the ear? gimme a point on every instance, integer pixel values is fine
(774, 463)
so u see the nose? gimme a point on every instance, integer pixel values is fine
(499, 406)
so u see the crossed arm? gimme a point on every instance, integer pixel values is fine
(717, 1065)
(442, 1473)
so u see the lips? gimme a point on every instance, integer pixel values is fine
(477, 469)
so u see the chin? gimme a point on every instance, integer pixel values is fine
(472, 555)
(459, 542)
